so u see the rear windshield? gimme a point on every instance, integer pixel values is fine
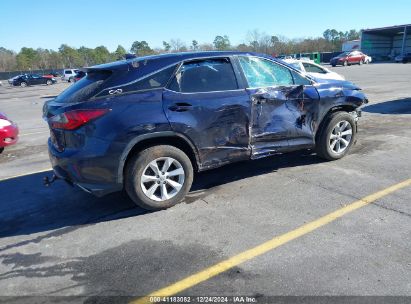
(85, 88)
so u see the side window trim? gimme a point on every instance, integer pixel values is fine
(231, 60)
(96, 96)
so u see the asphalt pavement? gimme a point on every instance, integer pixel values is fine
(60, 241)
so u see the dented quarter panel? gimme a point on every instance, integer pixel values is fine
(217, 122)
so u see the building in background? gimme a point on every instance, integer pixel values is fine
(385, 43)
(351, 45)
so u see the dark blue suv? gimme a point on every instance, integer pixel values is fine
(146, 124)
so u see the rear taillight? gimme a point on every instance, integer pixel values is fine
(75, 119)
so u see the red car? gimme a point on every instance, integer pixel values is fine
(348, 58)
(8, 132)
(78, 76)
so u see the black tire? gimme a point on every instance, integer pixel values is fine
(361, 62)
(136, 167)
(49, 82)
(323, 148)
(70, 79)
(23, 84)
(333, 65)
(345, 63)
(1, 150)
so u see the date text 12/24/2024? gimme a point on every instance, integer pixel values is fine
(203, 299)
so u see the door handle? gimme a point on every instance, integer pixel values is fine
(180, 107)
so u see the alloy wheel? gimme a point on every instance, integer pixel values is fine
(340, 137)
(162, 179)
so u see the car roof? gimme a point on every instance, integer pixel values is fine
(167, 59)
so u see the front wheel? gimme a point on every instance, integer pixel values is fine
(345, 63)
(337, 136)
(361, 62)
(23, 84)
(1, 150)
(158, 177)
(49, 82)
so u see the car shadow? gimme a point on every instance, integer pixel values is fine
(397, 106)
(27, 207)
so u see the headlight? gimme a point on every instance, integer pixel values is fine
(4, 123)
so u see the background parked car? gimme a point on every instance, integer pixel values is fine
(31, 79)
(404, 58)
(68, 74)
(314, 70)
(52, 75)
(348, 58)
(10, 80)
(8, 132)
(78, 76)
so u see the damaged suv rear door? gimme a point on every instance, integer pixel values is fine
(205, 103)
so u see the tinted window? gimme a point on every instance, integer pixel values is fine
(85, 88)
(205, 76)
(67, 72)
(310, 68)
(157, 80)
(264, 73)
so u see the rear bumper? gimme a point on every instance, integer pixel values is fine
(94, 175)
(8, 135)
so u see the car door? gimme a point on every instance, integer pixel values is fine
(205, 103)
(36, 79)
(283, 106)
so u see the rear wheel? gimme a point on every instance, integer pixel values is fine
(158, 177)
(1, 150)
(23, 84)
(49, 82)
(337, 136)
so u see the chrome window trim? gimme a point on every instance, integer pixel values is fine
(142, 78)
(189, 93)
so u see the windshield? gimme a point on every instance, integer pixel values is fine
(343, 54)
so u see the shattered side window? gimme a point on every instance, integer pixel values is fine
(264, 73)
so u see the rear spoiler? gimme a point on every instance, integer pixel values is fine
(122, 65)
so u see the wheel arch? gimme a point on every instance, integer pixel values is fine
(171, 138)
(339, 108)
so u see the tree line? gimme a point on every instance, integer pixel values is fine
(256, 41)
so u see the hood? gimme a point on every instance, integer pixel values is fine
(333, 83)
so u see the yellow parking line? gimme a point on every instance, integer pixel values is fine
(25, 174)
(242, 257)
